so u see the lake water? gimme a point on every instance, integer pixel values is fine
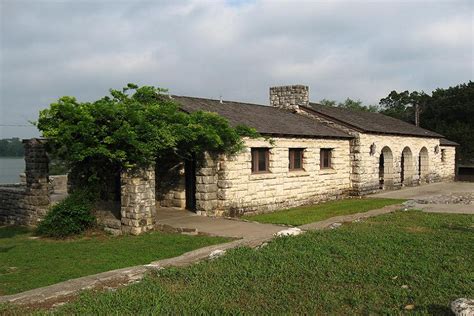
(10, 168)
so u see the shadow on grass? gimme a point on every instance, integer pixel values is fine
(435, 309)
(6, 249)
(12, 231)
(463, 229)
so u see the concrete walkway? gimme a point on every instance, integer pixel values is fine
(214, 226)
(441, 197)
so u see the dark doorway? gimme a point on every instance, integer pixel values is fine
(385, 168)
(402, 172)
(190, 178)
(381, 171)
(407, 167)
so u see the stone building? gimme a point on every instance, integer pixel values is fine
(316, 153)
(307, 153)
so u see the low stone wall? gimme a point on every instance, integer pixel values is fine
(12, 205)
(27, 204)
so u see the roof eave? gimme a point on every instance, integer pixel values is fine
(348, 137)
(357, 129)
(360, 130)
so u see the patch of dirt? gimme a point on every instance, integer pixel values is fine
(417, 229)
(454, 198)
(52, 303)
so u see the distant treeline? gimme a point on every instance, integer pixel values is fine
(11, 147)
(448, 111)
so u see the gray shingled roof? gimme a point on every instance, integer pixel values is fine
(447, 142)
(370, 122)
(265, 119)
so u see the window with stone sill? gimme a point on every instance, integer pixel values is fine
(443, 155)
(325, 158)
(260, 160)
(295, 159)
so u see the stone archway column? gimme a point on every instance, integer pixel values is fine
(37, 199)
(206, 184)
(137, 200)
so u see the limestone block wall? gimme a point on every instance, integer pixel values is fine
(366, 164)
(137, 200)
(447, 166)
(239, 191)
(354, 143)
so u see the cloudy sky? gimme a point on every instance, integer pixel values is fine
(235, 48)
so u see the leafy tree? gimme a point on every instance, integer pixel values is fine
(350, 104)
(446, 111)
(11, 147)
(327, 102)
(405, 105)
(131, 128)
(357, 105)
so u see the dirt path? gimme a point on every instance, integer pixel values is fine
(442, 197)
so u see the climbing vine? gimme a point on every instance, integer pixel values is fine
(132, 127)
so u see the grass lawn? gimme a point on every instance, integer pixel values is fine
(378, 266)
(27, 263)
(313, 213)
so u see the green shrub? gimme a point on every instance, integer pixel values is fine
(69, 217)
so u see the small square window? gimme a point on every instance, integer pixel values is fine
(326, 158)
(260, 160)
(296, 158)
(443, 155)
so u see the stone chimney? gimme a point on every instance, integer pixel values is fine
(289, 97)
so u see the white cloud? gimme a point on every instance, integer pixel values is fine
(234, 48)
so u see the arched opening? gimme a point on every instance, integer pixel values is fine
(385, 168)
(407, 170)
(423, 165)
